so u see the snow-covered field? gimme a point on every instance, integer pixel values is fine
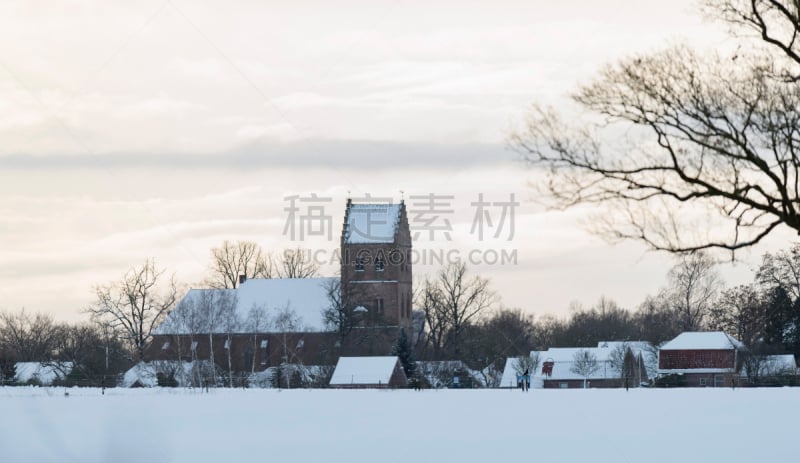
(177, 425)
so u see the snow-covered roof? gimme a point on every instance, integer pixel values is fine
(563, 359)
(371, 223)
(703, 340)
(43, 373)
(146, 373)
(363, 370)
(306, 297)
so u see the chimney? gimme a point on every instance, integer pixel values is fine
(242, 279)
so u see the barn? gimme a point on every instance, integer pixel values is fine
(700, 359)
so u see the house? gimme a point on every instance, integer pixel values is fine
(557, 367)
(211, 324)
(373, 295)
(368, 372)
(700, 359)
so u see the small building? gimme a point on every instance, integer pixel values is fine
(556, 367)
(368, 372)
(700, 359)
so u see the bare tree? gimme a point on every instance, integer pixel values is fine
(31, 338)
(693, 286)
(230, 324)
(709, 156)
(430, 301)
(296, 263)
(451, 301)
(740, 312)
(287, 321)
(584, 363)
(216, 309)
(257, 322)
(781, 269)
(242, 258)
(136, 304)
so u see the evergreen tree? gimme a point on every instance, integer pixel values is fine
(777, 317)
(8, 368)
(405, 352)
(791, 339)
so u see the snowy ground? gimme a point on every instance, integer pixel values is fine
(177, 425)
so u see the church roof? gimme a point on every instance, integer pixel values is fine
(371, 223)
(306, 297)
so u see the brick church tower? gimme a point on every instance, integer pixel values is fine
(376, 263)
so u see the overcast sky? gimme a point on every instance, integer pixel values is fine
(159, 129)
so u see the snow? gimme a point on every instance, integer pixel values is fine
(371, 223)
(703, 340)
(307, 297)
(363, 370)
(188, 425)
(41, 373)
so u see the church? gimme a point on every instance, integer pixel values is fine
(265, 323)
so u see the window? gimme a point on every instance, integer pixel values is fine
(702, 381)
(379, 305)
(379, 264)
(300, 344)
(194, 346)
(227, 343)
(264, 356)
(359, 264)
(165, 346)
(563, 385)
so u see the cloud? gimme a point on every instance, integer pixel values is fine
(360, 155)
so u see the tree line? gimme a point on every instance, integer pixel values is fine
(479, 331)
(124, 314)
